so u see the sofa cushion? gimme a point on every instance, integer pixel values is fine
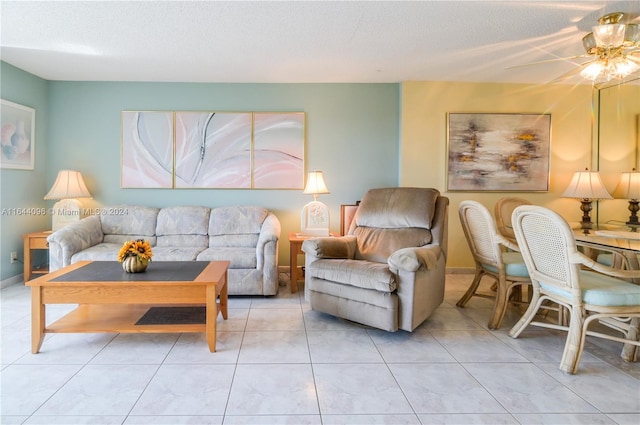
(128, 222)
(240, 241)
(239, 257)
(186, 220)
(237, 226)
(362, 274)
(167, 253)
(183, 226)
(101, 252)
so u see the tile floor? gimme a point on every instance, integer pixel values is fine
(278, 362)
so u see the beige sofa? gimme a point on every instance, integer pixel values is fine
(247, 236)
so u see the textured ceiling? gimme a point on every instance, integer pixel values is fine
(291, 41)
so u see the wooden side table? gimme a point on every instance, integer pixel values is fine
(34, 240)
(295, 248)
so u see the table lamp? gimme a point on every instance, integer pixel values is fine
(315, 215)
(68, 186)
(587, 186)
(629, 188)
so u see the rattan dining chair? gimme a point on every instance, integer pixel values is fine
(503, 211)
(560, 273)
(505, 267)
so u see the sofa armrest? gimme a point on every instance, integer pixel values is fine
(269, 237)
(73, 238)
(411, 259)
(330, 247)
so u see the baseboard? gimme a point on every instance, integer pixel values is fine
(460, 270)
(11, 281)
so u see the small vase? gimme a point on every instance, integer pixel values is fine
(134, 264)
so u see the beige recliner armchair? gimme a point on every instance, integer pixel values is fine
(389, 270)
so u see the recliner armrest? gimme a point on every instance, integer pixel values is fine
(411, 259)
(331, 247)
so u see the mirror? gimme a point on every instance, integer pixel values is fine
(618, 142)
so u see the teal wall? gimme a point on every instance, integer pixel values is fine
(352, 134)
(22, 189)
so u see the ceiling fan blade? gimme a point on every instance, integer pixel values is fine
(569, 58)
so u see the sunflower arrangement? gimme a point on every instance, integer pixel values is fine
(138, 248)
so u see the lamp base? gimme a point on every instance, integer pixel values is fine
(65, 212)
(633, 218)
(314, 219)
(585, 207)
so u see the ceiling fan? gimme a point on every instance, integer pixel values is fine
(613, 49)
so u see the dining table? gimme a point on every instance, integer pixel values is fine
(624, 245)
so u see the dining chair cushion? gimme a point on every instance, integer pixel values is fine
(598, 289)
(606, 259)
(513, 265)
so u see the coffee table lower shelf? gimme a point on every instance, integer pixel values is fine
(109, 318)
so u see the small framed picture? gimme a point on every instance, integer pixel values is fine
(18, 125)
(347, 212)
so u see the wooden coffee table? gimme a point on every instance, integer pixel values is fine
(111, 300)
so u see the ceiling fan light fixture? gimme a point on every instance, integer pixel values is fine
(611, 35)
(632, 35)
(589, 43)
(621, 67)
(593, 70)
(618, 67)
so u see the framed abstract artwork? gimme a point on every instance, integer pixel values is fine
(147, 150)
(278, 150)
(498, 152)
(214, 150)
(18, 124)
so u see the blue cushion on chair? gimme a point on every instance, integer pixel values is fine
(598, 289)
(513, 265)
(606, 259)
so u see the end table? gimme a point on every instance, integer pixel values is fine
(34, 240)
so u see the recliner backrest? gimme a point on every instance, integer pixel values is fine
(389, 219)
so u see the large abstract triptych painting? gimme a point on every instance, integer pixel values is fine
(498, 152)
(217, 150)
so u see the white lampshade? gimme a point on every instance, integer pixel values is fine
(629, 186)
(68, 184)
(586, 185)
(315, 184)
